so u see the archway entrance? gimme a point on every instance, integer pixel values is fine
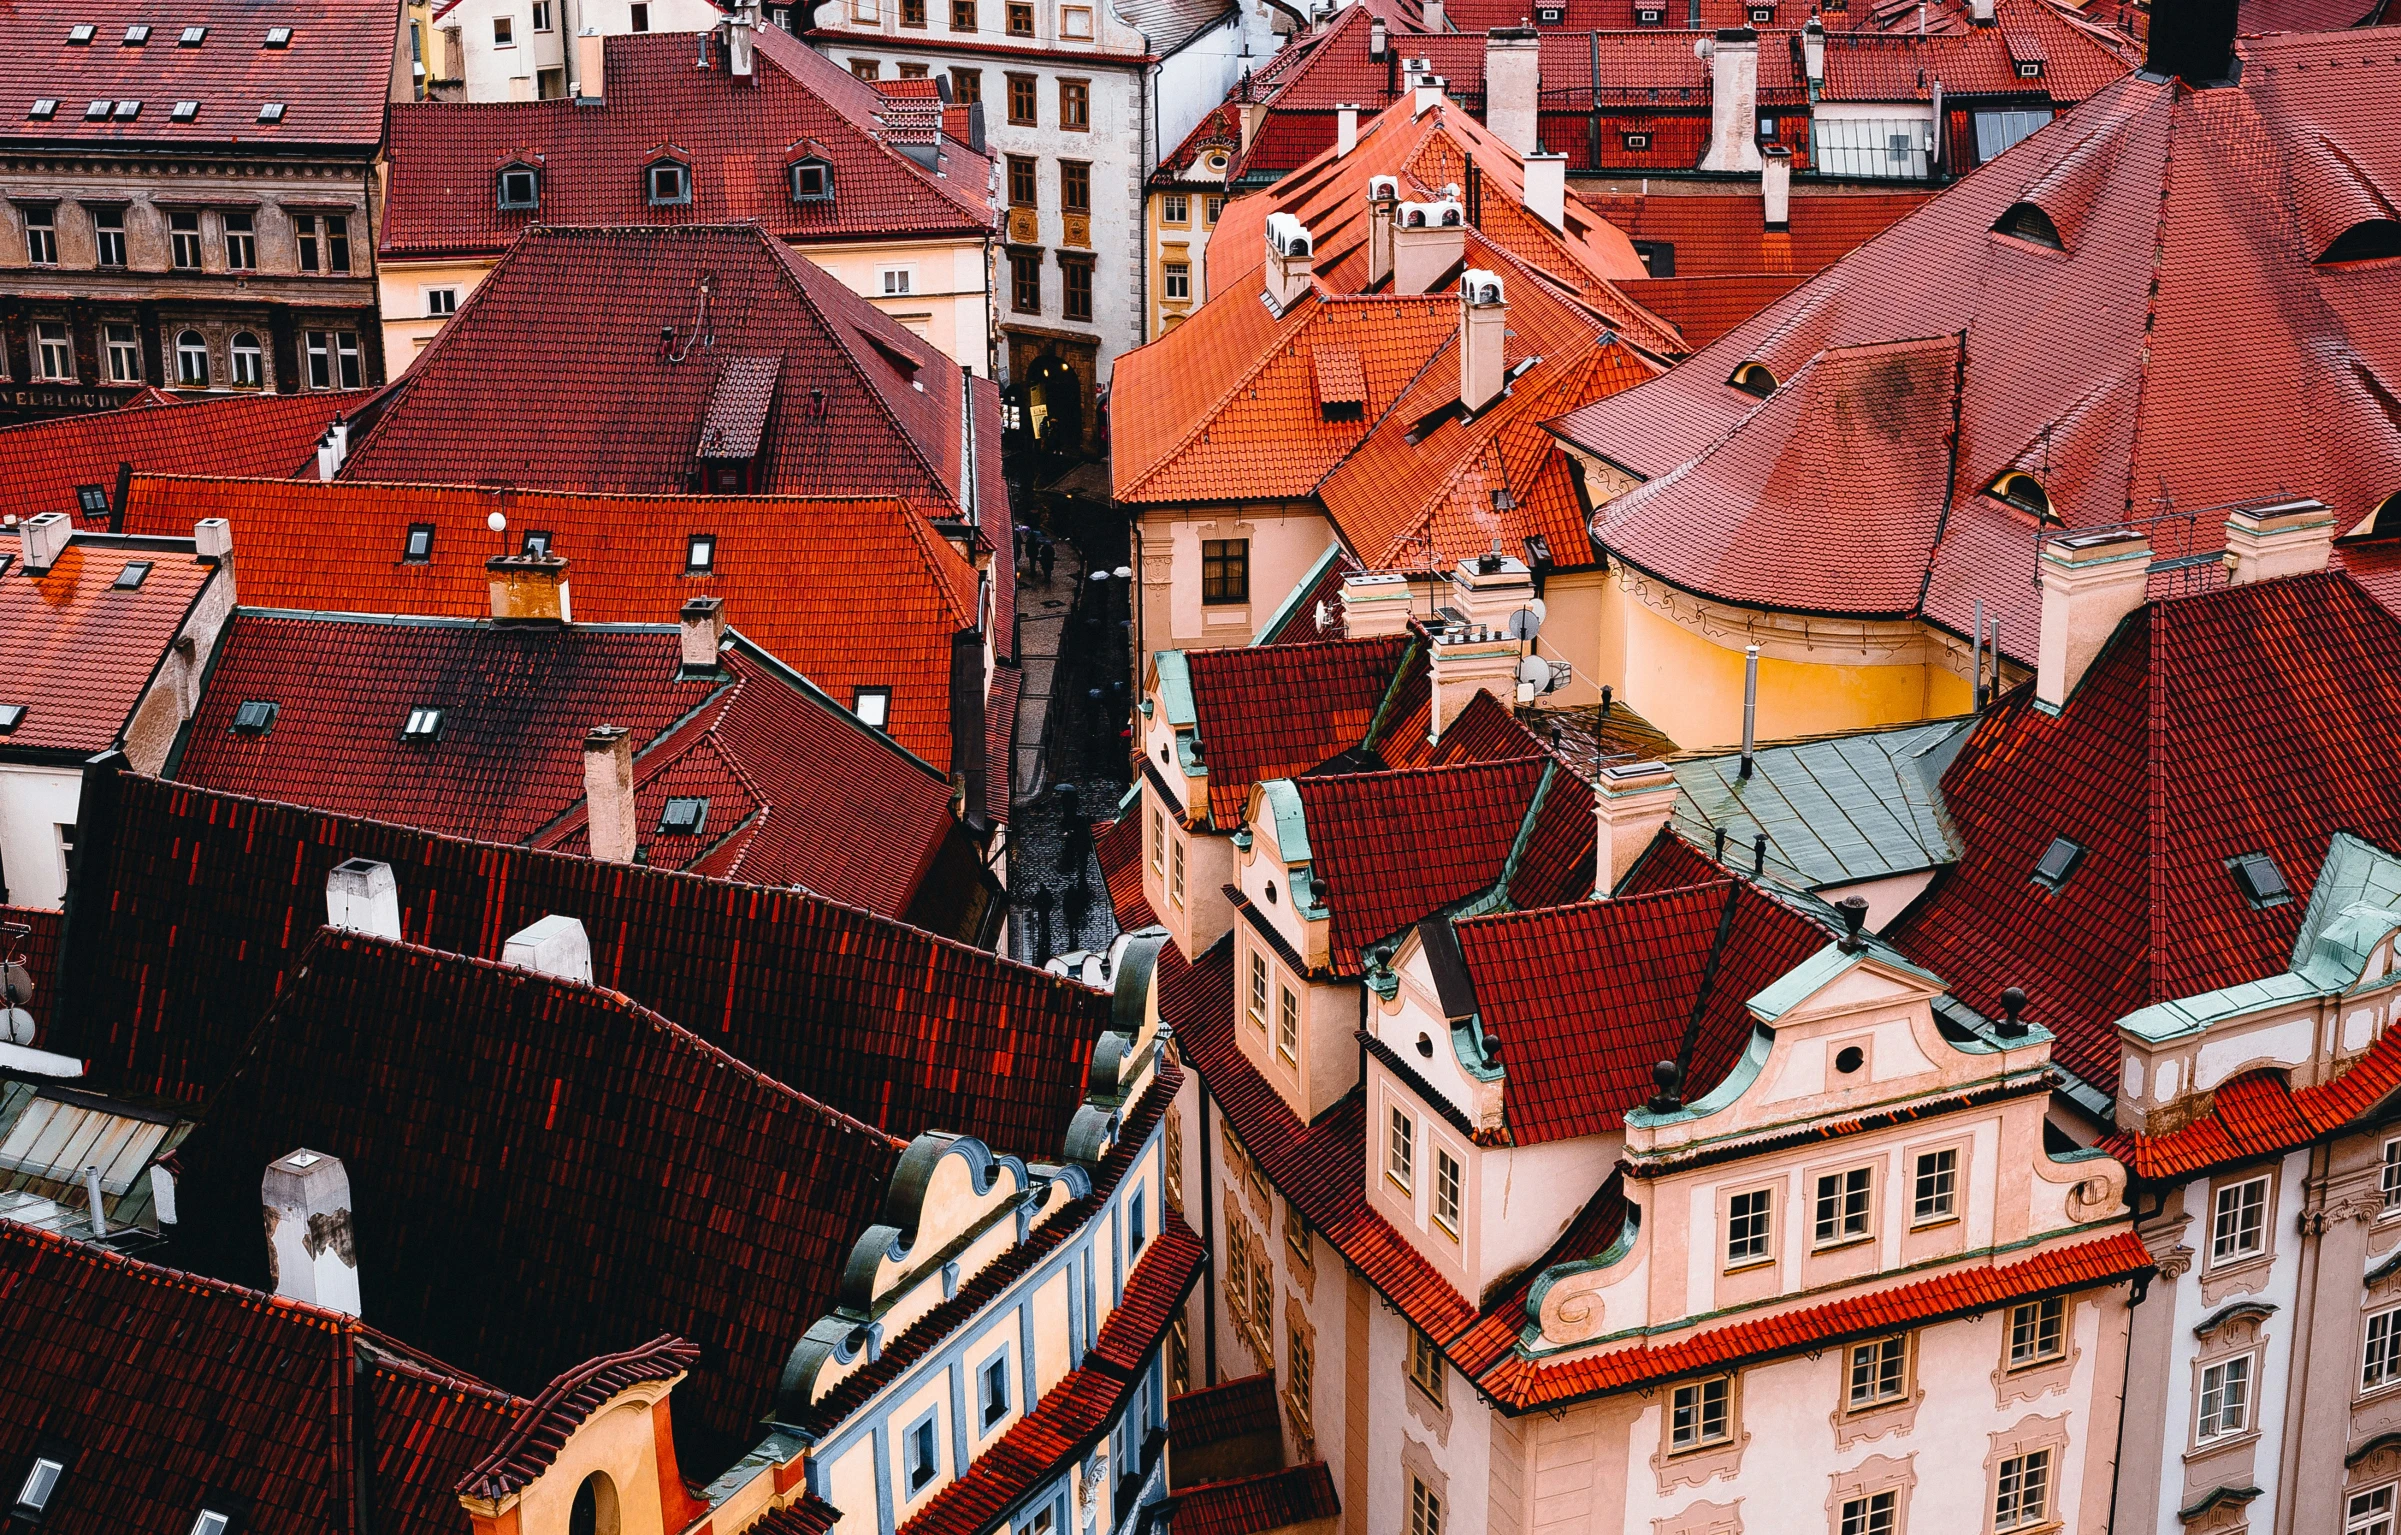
(1054, 405)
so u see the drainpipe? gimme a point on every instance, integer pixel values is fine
(1208, 1224)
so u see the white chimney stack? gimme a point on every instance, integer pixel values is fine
(1775, 187)
(1429, 95)
(589, 61)
(555, 945)
(1513, 86)
(1376, 604)
(2090, 582)
(212, 540)
(703, 635)
(1428, 240)
(45, 540)
(1291, 258)
(1346, 129)
(310, 1257)
(1630, 803)
(1733, 57)
(362, 897)
(1813, 50)
(2291, 538)
(1546, 187)
(739, 28)
(1469, 659)
(1433, 16)
(1379, 38)
(1488, 589)
(333, 449)
(1483, 324)
(1980, 12)
(609, 792)
(1383, 203)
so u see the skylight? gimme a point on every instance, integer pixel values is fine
(684, 817)
(80, 33)
(44, 108)
(700, 553)
(137, 34)
(873, 706)
(2058, 861)
(130, 579)
(2258, 878)
(423, 724)
(279, 37)
(419, 545)
(192, 37)
(256, 716)
(271, 112)
(97, 110)
(211, 1522)
(185, 111)
(40, 1482)
(11, 716)
(129, 110)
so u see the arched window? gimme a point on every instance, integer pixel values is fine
(595, 1508)
(2024, 221)
(2026, 493)
(249, 367)
(2373, 240)
(191, 360)
(2387, 519)
(1754, 378)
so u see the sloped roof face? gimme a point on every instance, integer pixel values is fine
(608, 393)
(1835, 811)
(1276, 711)
(178, 1392)
(333, 76)
(2205, 362)
(77, 651)
(851, 594)
(2257, 719)
(541, 1170)
(42, 462)
(1586, 999)
(212, 897)
(738, 135)
(1717, 232)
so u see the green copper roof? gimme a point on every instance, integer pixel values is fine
(1811, 975)
(1289, 608)
(1837, 809)
(1175, 689)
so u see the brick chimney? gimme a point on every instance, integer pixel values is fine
(555, 945)
(2291, 538)
(1291, 258)
(1512, 86)
(1483, 326)
(1546, 187)
(1487, 589)
(1375, 604)
(1469, 659)
(1383, 204)
(1346, 128)
(1775, 187)
(310, 1257)
(362, 897)
(1733, 57)
(1427, 241)
(45, 541)
(703, 635)
(609, 792)
(2090, 582)
(1630, 803)
(529, 588)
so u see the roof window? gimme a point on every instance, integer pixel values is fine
(424, 724)
(418, 547)
(42, 1480)
(2024, 492)
(256, 716)
(185, 111)
(270, 112)
(700, 554)
(669, 183)
(2370, 240)
(128, 110)
(2058, 861)
(130, 579)
(1754, 378)
(873, 706)
(520, 187)
(192, 37)
(211, 1522)
(80, 33)
(137, 34)
(537, 543)
(684, 817)
(2260, 881)
(2024, 221)
(44, 108)
(92, 500)
(98, 110)
(278, 37)
(812, 181)
(11, 716)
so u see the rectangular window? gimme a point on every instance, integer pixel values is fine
(1137, 1209)
(1158, 840)
(2238, 1221)
(1175, 208)
(700, 553)
(1225, 570)
(1843, 1205)
(897, 281)
(967, 86)
(418, 547)
(108, 232)
(504, 32)
(2037, 1331)
(1447, 1182)
(1697, 1413)
(541, 15)
(1935, 1186)
(1177, 281)
(124, 354)
(1075, 105)
(1075, 23)
(441, 303)
(963, 16)
(183, 240)
(867, 69)
(333, 360)
(324, 241)
(1400, 1155)
(2024, 1496)
(40, 1482)
(1425, 1509)
(1425, 1366)
(53, 351)
(1747, 1227)
(1021, 113)
(1021, 18)
(2380, 1361)
(1175, 876)
(1021, 170)
(1296, 1235)
(1258, 996)
(1879, 1372)
(993, 1389)
(2369, 1513)
(2225, 1399)
(1214, 206)
(912, 13)
(2391, 1176)
(241, 243)
(640, 18)
(1025, 282)
(873, 706)
(1875, 1514)
(925, 1455)
(41, 237)
(1075, 186)
(1288, 1024)
(1300, 1369)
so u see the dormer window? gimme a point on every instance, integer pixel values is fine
(1754, 378)
(423, 726)
(684, 817)
(42, 1480)
(256, 716)
(44, 109)
(2030, 69)
(2371, 240)
(812, 181)
(669, 183)
(11, 716)
(2026, 493)
(2024, 221)
(873, 706)
(185, 111)
(2057, 863)
(520, 187)
(128, 110)
(2260, 881)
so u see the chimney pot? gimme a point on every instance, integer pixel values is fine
(1375, 604)
(362, 897)
(1483, 329)
(310, 1253)
(1733, 101)
(1546, 187)
(1775, 187)
(1291, 258)
(609, 792)
(1631, 801)
(2090, 582)
(2290, 538)
(703, 635)
(45, 540)
(1428, 240)
(1513, 86)
(555, 945)
(212, 540)
(529, 588)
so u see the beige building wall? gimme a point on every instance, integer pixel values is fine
(1283, 540)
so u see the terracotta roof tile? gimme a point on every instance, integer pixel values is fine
(1715, 233)
(1267, 712)
(76, 650)
(532, 1443)
(1233, 1409)
(1705, 308)
(1294, 1495)
(42, 462)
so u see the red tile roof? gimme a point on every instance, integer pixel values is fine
(2260, 1114)
(2255, 719)
(333, 75)
(1586, 999)
(738, 135)
(1265, 711)
(77, 651)
(1232, 1409)
(2153, 391)
(533, 1442)
(1117, 845)
(1705, 308)
(625, 374)
(171, 1391)
(1716, 231)
(1294, 1495)
(42, 462)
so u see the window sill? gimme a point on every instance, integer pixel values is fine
(1443, 1230)
(1702, 1448)
(2210, 1449)
(1394, 1185)
(2043, 1362)
(1838, 1244)
(1767, 1260)
(1933, 1222)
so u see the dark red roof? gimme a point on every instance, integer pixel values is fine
(333, 75)
(1294, 1495)
(625, 374)
(42, 462)
(1232, 1409)
(1713, 229)
(740, 137)
(1118, 847)
(2254, 719)
(39, 951)
(197, 905)
(1705, 308)
(167, 1392)
(1585, 999)
(540, 1170)
(77, 650)
(1275, 711)
(533, 1442)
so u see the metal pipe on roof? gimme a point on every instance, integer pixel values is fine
(1976, 660)
(1750, 704)
(91, 1187)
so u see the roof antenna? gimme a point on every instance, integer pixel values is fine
(1854, 917)
(2013, 1002)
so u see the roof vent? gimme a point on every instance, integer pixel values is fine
(362, 897)
(555, 945)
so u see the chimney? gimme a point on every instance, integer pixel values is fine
(333, 448)
(1427, 241)
(1512, 86)
(45, 541)
(738, 41)
(1346, 128)
(1733, 57)
(2193, 40)
(609, 792)
(529, 588)
(1383, 202)
(2291, 538)
(589, 61)
(704, 633)
(362, 897)
(1813, 51)
(1483, 326)
(1254, 117)
(1980, 12)
(1487, 589)
(1376, 604)
(1289, 260)
(1546, 187)
(306, 1195)
(212, 540)
(1379, 39)
(1470, 659)
(2090, 582)
(1630, 803)
(555, 945)
(1775, 187)
(1433, 17)
(1428, 94)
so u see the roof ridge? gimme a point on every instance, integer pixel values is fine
(1602, 904)
(1330, 781)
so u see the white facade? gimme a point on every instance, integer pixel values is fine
(517, 50)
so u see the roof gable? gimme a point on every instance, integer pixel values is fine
(1277, 711)
(43, 462)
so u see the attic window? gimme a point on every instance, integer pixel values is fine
(700, 554)
(79, 34)
(537, 542)
(128, 110)
(256, 716)
(11, 716)
(1635, 140)
(137, 34)
(42, 1480)
(1754, 378)
(2371, 240)
(2260, 881)
(278, 37)
(130, 579)
(2024, 492)
(192, 37)
(97, 110)
(873, 706)
(684, 817)
(211, 1522)
(418, 547)
(670, 183)
(270, 112)
(44, 109)
(2058, 861)
(185, 111)
(2024, 221)
(520, 187)
(423, 724)
(812, 181)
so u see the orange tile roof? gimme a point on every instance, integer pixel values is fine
(77, 651)
(849, 593)
(1705, 308)
(1719, 230)
(2261, 1114)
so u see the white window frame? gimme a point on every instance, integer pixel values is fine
(1762, 1248)
(2380, 1350)
(2035, 1353)
(1255, 1001)
(41, 236)
(1688, 1405)
(1858, 1515)
(441, 302)
(1449, 1198)
(53, 351)
(1158, 841)
(896, 282)
(1847, 1226)
(123, 346)
(2226, 1201)
(2248, 1406)
(1400, 1150)
(2369, 1511)
(1944, 1179)
(1175, 873)
(249, 363)
(2024, 1483)
(184, 354)
(1288, 1024)
(2389, 1178)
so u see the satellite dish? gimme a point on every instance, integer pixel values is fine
(16, 984)
(1561, 675)
(1524, 624)
(1535, 672)
(16, 1025)
(1325, 616)
(498, 522)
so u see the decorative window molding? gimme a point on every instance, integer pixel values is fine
(2025, 1377)
(1860, 1485)
(1714, 1454)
